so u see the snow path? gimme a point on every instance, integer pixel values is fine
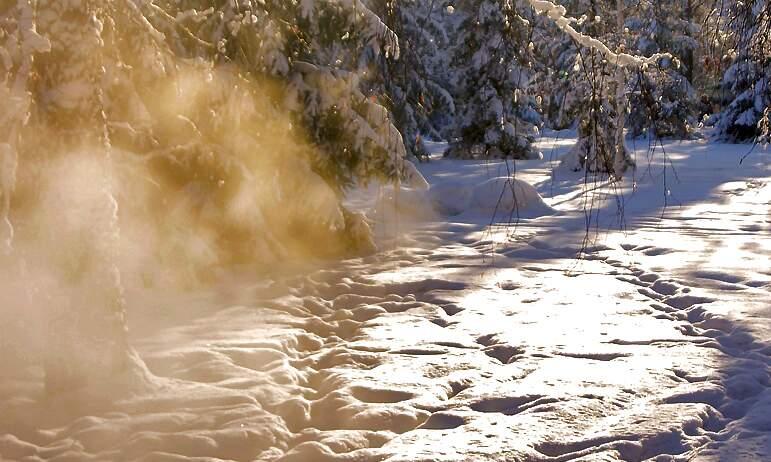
(466, 343)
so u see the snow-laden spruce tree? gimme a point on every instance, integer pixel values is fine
(496, 117)
(19, 44)
(414, 87)
(321, 49)
(663, 98)
(165, 139)
(747, 82)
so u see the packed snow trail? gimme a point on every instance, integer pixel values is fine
(465, 342)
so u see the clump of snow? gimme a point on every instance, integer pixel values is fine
(452, 197)
(510, 196)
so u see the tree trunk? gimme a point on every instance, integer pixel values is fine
(87, 341)
(688, 59)
(621, 160)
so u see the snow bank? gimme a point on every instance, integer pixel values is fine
(510, 196)
(498, 197)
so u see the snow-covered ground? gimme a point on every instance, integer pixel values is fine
(646, 337)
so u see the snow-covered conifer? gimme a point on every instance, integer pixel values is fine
(663, 97)
(415, 87)
(319, 50)
(87, 335)
(747, 81)
(497, 117)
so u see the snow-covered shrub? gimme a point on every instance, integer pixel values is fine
(598, 149)
(508, 198)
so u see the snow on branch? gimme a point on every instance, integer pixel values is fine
(382, 34)
(557, 13)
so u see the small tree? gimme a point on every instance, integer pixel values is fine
(87, 341)
(601, 146)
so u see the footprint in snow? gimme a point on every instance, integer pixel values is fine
(452, 309)
(444, 421)
(373, 395)
(505, 354)
(510, 405)
(508, 285)
(502, 352)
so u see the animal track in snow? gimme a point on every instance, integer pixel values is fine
(505, 354)
(441, 322)
(444, 420)
(419, 352)
(656, 251)
(718, 276)
(649, 250)
(509, 285)
(511, 405)
(452, 309)
(457, 387)
(665, 287)
(372, 395)
(500, 351)
(686, 301)
(488, 339)
(459, 345)
(595, 356)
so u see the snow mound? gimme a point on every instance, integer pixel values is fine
(497, 196)
(451, 198)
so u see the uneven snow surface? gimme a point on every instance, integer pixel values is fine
(534, 341)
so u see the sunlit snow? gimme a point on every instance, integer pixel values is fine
(645, 337)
